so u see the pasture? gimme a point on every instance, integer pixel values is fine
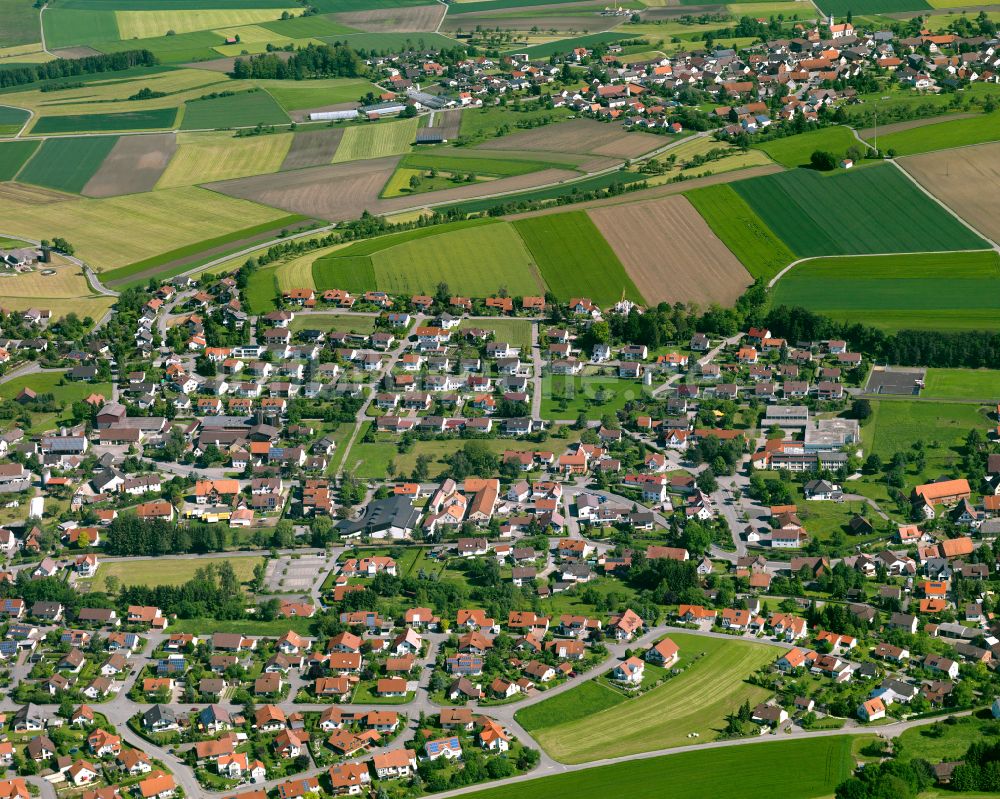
(575, 260)
(159, 221)
(168, 571)
(361, 142)
(805, 769)
(206, 157)
(943, 135)
(457, 161)
(793, 151)
(153, 23)
(956, 177)
(711, 685)
(671, 253)
(975, 384)
(563, 46)
(871, 210)
(153, 119)
(67, 164)
(316, 93)
(473, 260)
(13, 155)
(243, 109)
(184, 47)
(54, 383)
(66, 27)
(947, 291)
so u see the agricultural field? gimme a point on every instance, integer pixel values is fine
(395, 20)
(711, 686)
(585, 700)
(66, 27)
(153, 23)
(575, 136)
(956, 178)
(473, 260)
(67, 164)
(362, 142)
(896, 424)
(168, 571)
(312, 148)
(12, 120)
(871, 210)
(982, 384)
(13, 155)
(459, 160)
(671, 253)
(160, 221)
(793, 151)
(943, 135)
(564, 46)
(329, 322)
(947, 291)
(401, 183)
(481, 123)
(841, 8)
(516, 332)
(206, 157)
(244, 109)
(575, 260)
(100, 123)
(300, 95)
(805, 769)
(20, 23)
(134, 165)
(179, 49)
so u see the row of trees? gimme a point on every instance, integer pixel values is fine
(312, 61)
(69, 67)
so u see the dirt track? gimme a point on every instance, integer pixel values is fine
(415, 19)
(962, 179)
(671, 253)
(134, 165)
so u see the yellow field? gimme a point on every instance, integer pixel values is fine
(108, 96)
(376, 141)
(168, 571)
(253, 33)
(26, 54)
(68, 281)
(147, 24)
(803, 9)
(117, 231)
(218, 155)
(297, 273)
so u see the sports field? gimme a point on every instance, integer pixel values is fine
(67, 164)
(168, 571)
(575, 260)
(871, 210)
(154, 119)
(943, 135)
(793, 151)
(243, 109)
(696, 701)
(13, 155)
(476, 260)
(149, 24)
(375, 141)
(947, 291)
(977, 384)
(159, 221)
(204, 157)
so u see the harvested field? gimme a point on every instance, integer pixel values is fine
(578, 136)
(31, 195)
(447, 122)
(376, 140)
(74, 52)
(134, 165)
(335, 192)
(205, 157)
(395, 20)
(312, 148)
(67, 280)
(957, 178)
(670, 253)
(342, 191)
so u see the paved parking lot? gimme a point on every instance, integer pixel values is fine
(295, 575)
(895, 381)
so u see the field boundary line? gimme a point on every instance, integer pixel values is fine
(782, 273)
(946, 207)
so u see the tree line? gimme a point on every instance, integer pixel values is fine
(312, 61)
(68, 67)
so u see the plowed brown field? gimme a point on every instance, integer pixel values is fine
(670, 253)
(134, 165)
(578, 136)
(395, 20)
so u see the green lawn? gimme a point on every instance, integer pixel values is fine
(972, 384)
(946, 291)
(13, 154)
(168, 571)
(942, 741)
(298, 95)
(344, 323)
(793, 151)
(589, 698)
(154, 119)
(516, 332)
(565, 397)
(872, 210)
(942, 135)
(696, 701)
(243, 626)
(575, 260)
(741, 230)
(67, 164)
(243, 109)
(48, 383)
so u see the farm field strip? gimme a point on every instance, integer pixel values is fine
(150, 24)
(207, 157)
(67, 164)
(361, 142)
(944, 135)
